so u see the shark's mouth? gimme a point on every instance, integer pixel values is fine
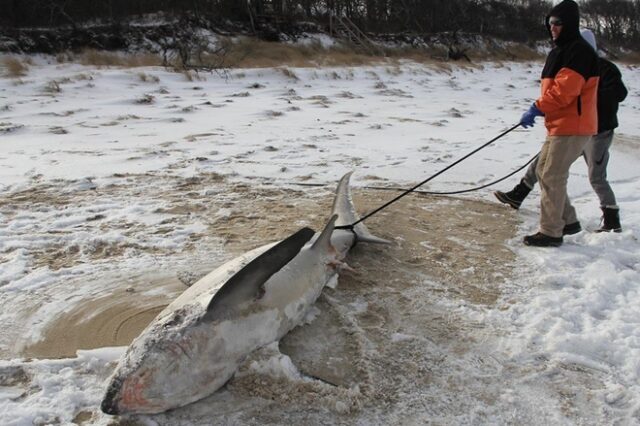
(125, 396)
(109, 403)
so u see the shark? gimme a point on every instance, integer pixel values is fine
(196, 344)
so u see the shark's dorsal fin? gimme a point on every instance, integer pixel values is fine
(247, 283)
(324, 239)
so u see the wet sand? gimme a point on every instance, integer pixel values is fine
(378, 341)
(453, 241)
(106, 321)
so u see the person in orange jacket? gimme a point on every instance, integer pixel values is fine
(611, 91)
(568, 103)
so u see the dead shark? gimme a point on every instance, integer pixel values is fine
(195, 345)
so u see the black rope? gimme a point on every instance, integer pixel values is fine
(461, 191)
(412, 189)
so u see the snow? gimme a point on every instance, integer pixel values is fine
(310, 39)
(576, 305)
(59, 389)
(277, 365)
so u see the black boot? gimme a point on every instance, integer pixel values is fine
(514, 197)
(572, 228)
(542, 240)
(611, 220)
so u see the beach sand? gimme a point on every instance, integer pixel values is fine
(454, 241)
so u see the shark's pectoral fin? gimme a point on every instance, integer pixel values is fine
(248, 284)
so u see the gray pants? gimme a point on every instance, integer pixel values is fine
(596, 154)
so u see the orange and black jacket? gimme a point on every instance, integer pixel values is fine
(569, 88)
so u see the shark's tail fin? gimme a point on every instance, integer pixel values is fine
(344, 208)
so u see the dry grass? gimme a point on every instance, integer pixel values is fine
(246, 52)
(145, 99)
(83, 77)
(518, 52)
(631, 58)
(107, 59)
(147, 78)
(52, 87)
(274, 114)
(190, 75)
(253, 53)
(15, 67)
(65, 57)
(289, 73)
(438, 55)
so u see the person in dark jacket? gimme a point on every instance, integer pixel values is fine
(568, 99)
(611, 91)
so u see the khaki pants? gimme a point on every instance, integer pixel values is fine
(596, 154)
(556, 157)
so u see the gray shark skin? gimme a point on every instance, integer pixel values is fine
(195, 345)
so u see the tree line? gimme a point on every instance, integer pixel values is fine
(617, 21)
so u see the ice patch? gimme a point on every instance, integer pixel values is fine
(277, 365)
(333, 282)
(400, 337)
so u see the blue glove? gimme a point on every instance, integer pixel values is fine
(529, 117)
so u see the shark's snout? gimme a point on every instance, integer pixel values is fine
(109, 404)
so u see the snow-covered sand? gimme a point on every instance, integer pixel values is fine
(117, 184)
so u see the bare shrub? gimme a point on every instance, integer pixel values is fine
(188, 75)
(55, 86)
(52, 87)
(146, 99)
(192, 75)
(83, 77)
(394, 71)
(6, 127)
(57, 130)
(15, 67)
(289, 73)
(187, 50)
(273, 114)
(146, 78)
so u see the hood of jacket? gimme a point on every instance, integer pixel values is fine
(567, 11)
(588, 35)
